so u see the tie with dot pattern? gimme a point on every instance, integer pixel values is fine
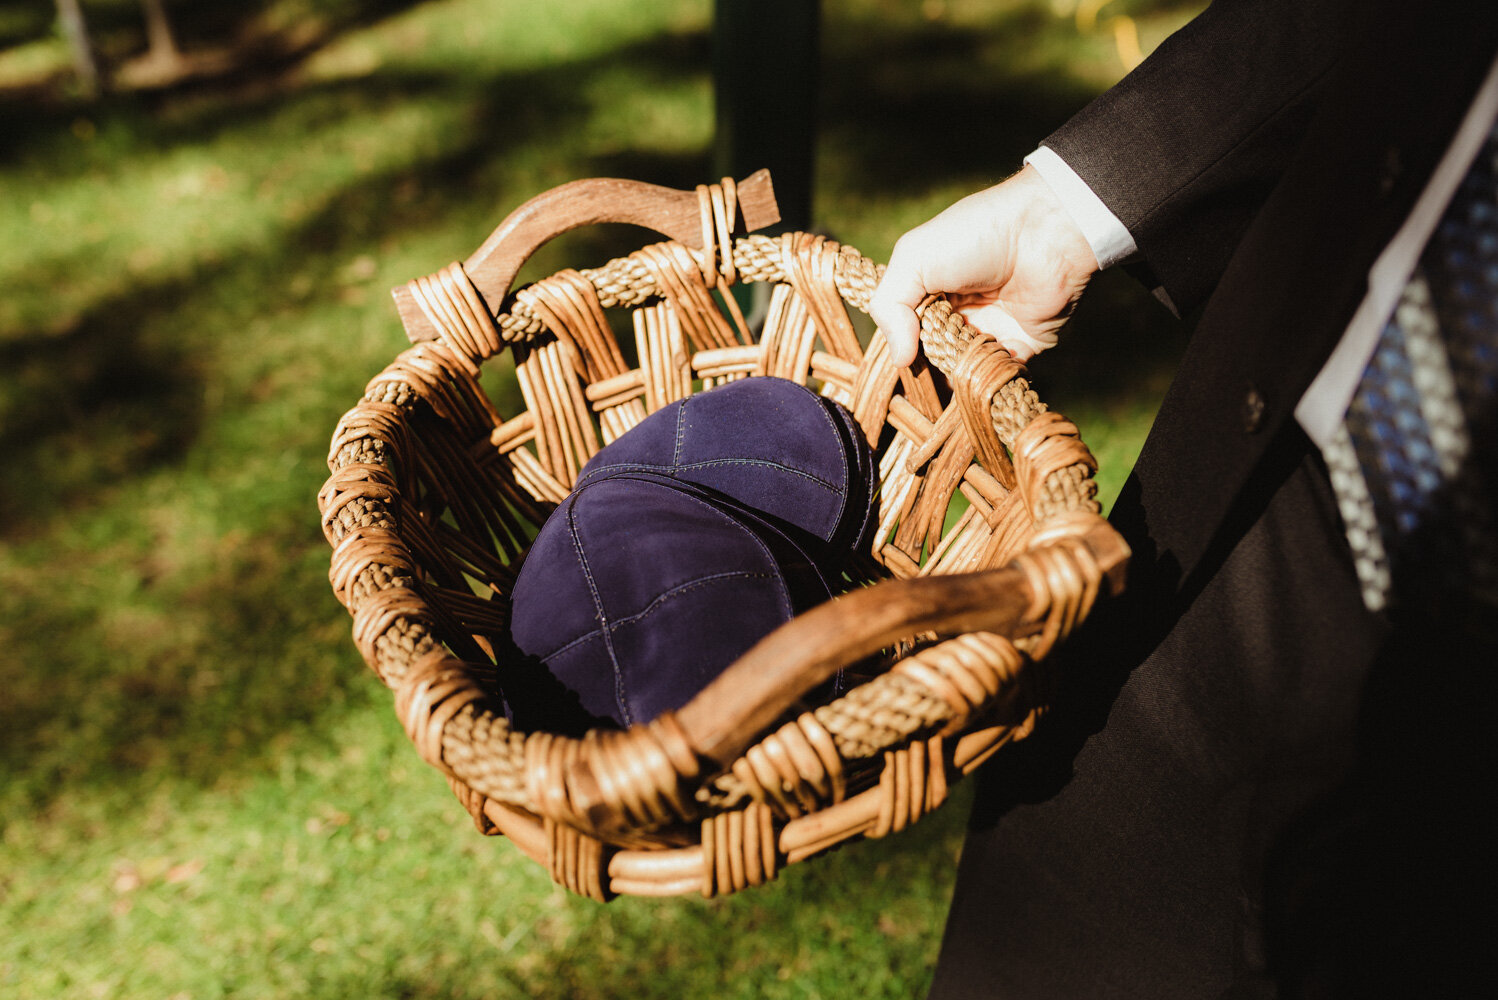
(1413, 464)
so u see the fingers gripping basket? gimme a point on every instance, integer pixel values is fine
(434, 496)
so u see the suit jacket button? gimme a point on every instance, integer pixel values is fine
(1253, 410)
(1393, 167)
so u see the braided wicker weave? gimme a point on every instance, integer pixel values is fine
(434, 496)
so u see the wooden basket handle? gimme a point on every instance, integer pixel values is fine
(728, 715)
(673, 213)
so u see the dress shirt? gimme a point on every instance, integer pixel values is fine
(1111, 243)
(1321, 409)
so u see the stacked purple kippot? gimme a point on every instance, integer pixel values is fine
(688, 539)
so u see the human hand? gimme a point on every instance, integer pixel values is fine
(1009, 258)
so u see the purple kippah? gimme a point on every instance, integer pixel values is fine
(768, 444)
(641, 589)
(688, 539)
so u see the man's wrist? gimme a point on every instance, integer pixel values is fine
(1110, 241)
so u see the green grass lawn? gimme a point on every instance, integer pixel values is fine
(204, 791)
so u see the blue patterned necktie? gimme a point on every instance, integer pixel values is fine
(1413, 465)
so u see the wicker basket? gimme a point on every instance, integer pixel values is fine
(434, 497)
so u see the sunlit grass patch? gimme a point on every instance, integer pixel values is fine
(341, 866)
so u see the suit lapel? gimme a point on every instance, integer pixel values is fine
(1296, 278)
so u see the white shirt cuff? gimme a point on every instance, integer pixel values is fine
(1110, 241)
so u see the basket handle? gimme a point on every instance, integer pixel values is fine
(724, 719)
(727, 716)
(674, 213)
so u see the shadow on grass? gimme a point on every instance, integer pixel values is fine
(84, 409)
(220, 48)
(227, 660)
(212, 668)
(117, 391)
(857, 922)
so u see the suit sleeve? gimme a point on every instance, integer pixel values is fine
(1186, 148)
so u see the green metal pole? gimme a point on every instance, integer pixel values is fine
(765, 77)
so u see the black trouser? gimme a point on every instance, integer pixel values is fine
(1259, 767)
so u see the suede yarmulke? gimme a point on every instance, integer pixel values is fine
(641, 589)
(767, 444)
(688, 539)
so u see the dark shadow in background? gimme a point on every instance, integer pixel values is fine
(907, 112)
(913, 110)
(221, 45)
(121, 406)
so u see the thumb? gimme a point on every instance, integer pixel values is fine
(892, 308)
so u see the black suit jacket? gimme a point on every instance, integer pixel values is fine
(1262, 158)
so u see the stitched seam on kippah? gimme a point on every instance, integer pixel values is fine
(608, 645)
(654, 605)
(766, 463)
(681, 418)
(785, 594)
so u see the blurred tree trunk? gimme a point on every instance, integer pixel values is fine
(75, 30)
(765, 67)
(159, 34)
